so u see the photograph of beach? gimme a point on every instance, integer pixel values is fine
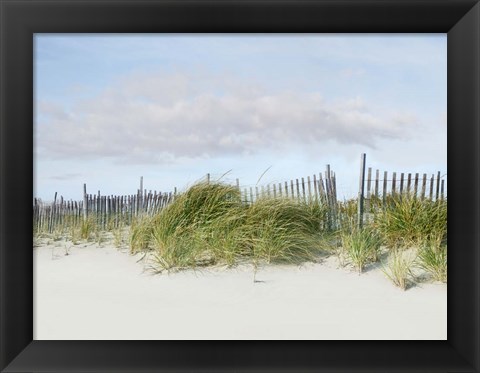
(240, 187)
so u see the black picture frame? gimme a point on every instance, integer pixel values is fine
(20, 19)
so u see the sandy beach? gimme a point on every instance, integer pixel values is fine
(98, 292)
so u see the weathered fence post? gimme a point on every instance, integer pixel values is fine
(394, 183)
(415, 186)
(334, 199)
(424, 185)
(431, 188)
(369, 194)
(52, 214)
(303, 189)
(384, 196)
(361, 189)
(437, 191)
(85, 207)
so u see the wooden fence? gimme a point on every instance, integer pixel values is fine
(379, 185)
(317, 186)
(107, 211)
(414, 184)
(113, 211)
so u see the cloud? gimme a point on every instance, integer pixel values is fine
(51, 109)
(166, 117)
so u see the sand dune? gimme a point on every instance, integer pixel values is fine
(105, 293)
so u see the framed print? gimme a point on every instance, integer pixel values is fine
(209, 30)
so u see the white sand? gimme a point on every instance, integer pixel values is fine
(103, 293)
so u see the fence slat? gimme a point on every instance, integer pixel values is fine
(321, 189)
(369, 186)
(384, 186)
(303, 189)
(85, 212)
(361, 191)
(431, 187)
(394, 177)
(438, 186)
(309, 188)
(424, 186)
(415, 185)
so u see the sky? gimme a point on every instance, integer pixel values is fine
(110, 108)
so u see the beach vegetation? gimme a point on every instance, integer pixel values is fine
(408, 221)
(212, 223)
(432, 258)
(209, 223)
(87, 228)
(399, 268)
(361, 246)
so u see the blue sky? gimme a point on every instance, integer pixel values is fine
(171, 108)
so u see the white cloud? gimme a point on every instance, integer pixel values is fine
(159, 117)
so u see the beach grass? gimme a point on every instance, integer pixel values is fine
(406, 221)
(361, 246)
(399, 268)
(432, 258)
(209, 223)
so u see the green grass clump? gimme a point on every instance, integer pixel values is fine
(196, 224)
(209, 223)
(285, 230)
(117, 233)
(433, 259)
(87, 228)
(361, 246)
(140, 236)
(399, 269)
(409, 221)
